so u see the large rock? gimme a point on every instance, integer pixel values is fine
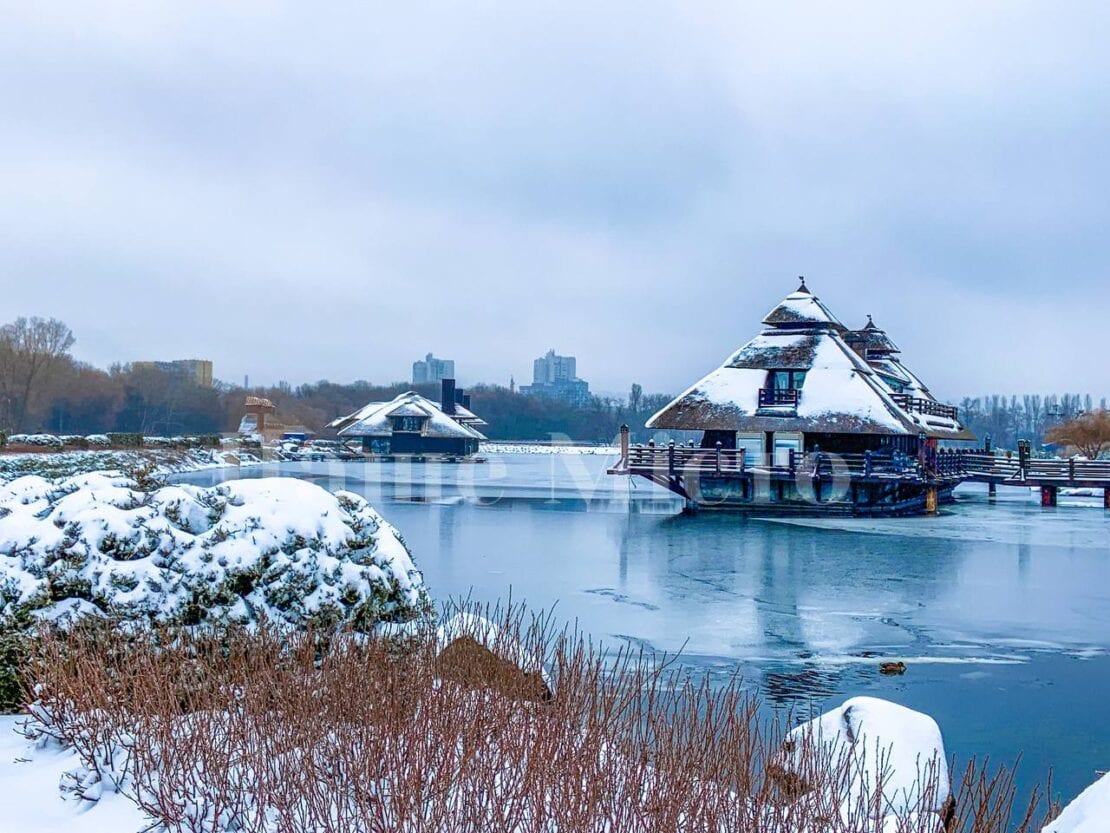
(890, 761)
(469, 663)
(1089, 813)
(478, 653)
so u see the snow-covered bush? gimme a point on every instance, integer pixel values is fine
(280, 548)
(97, 439)
(42, 440)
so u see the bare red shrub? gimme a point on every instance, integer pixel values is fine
(272, 730)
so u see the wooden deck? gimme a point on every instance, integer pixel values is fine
(679, 468)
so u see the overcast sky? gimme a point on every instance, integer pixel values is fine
(330, 191)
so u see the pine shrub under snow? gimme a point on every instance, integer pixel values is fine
(278, 548)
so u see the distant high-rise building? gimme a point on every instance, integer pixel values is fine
(199, 371)
(556, 377)
(430, 370)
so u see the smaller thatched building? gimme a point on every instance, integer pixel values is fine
(413, 425)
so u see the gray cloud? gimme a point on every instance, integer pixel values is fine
(331, 192)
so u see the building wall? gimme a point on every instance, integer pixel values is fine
(405, 443)
(550, 368)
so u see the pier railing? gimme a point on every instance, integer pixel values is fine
(772, 397)
(928, 407)
(945, 465)
(684, 460)
(981, 465)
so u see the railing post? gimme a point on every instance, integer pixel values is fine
(987, 444)
(670, 458)
(867, 464)
(718, 460)
(1023, 458)
(624, 446)
(743, 459)
(790, 461)
(1071, 470)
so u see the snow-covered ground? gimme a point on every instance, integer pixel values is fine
(505, 447)
(161, 461)
(30, 798)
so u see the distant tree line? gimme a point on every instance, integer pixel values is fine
(1007, 419)
(44, 388)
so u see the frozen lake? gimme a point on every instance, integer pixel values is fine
(1001, 610)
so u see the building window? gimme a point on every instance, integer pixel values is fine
(786, 379)
(409, 424)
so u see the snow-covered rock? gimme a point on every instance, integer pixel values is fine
(1089, 813)
(877, 745)
(279, 547)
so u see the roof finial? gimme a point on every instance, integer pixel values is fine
(802, 288)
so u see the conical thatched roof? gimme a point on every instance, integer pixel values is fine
(841, 393)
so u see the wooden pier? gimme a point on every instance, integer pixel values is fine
(868, 483)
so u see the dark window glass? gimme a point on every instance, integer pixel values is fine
(786, 379)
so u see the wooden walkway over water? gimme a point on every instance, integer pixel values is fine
(674, 466)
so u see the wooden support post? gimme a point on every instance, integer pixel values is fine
(992, 488)
(867, 464)
(670, 458)
(743, 459)
(931, 500)
(791, 462)
(624, 446)
(1071, 470)
(717, 461)
(1048, 496)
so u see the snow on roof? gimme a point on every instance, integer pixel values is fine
(374, 419)
(838, 395)
(841, 393)
(871, 337)
(802, 309)
(782, 349)
(468, 416)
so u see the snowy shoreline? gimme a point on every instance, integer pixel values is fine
(160, 462)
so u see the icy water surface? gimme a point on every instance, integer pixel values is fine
(1001, 610)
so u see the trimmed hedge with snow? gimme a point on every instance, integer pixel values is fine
(278, 548)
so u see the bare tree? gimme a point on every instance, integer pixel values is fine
(635, 397)
(31, 350)
(1089, 433)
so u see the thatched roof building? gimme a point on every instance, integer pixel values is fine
(805, 380)
(413, 424)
